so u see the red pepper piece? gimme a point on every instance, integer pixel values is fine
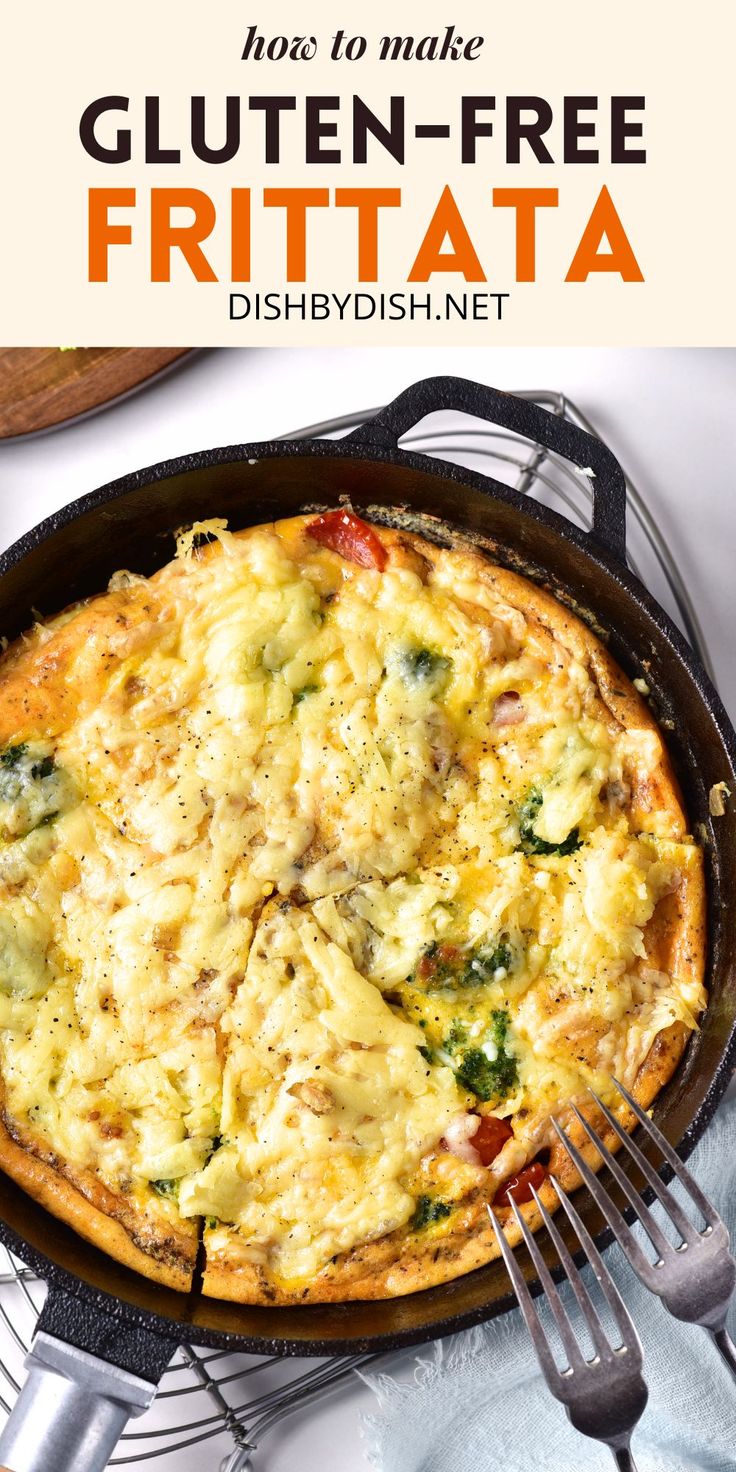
(344, 532)
(490, 1137)
(519, 1187)
(439, 961)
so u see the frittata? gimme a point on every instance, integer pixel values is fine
(333, 864)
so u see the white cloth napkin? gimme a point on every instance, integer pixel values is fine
(477, 1401)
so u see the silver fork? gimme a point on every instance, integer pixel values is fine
(694, 1279)
(605, 1396)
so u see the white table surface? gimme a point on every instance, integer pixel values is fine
(670, 415)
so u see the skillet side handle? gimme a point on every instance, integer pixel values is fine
(552, 431)
(71, 1411)
(78, 1396)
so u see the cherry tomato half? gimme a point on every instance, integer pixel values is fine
(490, 1137)
(519, 1187)
(345, 533)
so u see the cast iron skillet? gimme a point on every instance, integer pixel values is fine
(103, 1308)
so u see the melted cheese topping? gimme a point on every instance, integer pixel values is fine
(573, 976)
(279, 723)
(328, 1105)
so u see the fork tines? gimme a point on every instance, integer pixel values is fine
(603, 1396)
(689, 1234)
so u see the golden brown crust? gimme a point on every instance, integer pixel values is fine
(167, 1254)
(41, 680)
(49, 674)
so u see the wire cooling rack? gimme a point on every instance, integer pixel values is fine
(215, 1409)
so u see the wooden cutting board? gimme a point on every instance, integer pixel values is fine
(41, 388)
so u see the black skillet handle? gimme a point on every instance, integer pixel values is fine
(551, 430)
(87, 1374)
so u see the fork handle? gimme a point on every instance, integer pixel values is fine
(727, 1348)
(623, 1458)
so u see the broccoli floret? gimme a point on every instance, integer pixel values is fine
(13, 754)
(33, 790)
(457, 1035)
(529, 842)
(424, 667)
(446, 965)
(427, 1053)
(499, 1026)
(490, 1078)
(428, 1210)
(42, 769)
(476, 1072)
(165, 1188)
(485, 1078)
(506, 1075)
(485, 961)
(212, 1222)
